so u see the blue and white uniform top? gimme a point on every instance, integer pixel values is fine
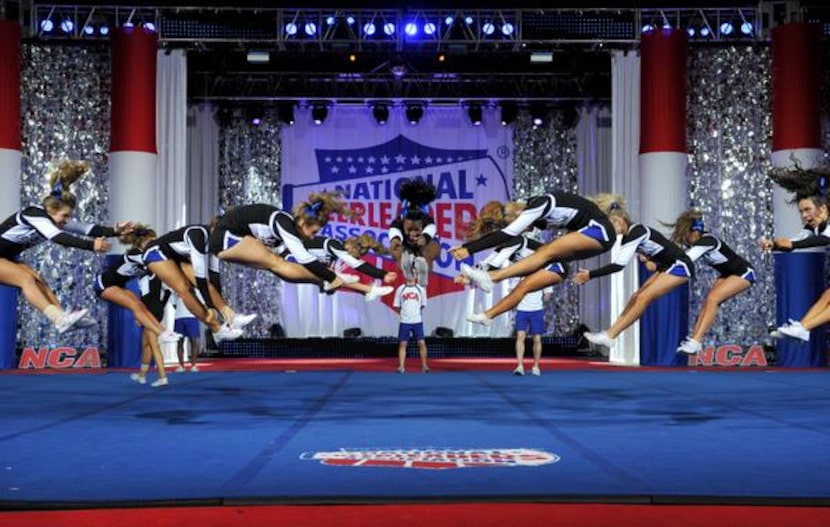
(410, 299)
(129, 266)
(720, 256)
(430, 230)
(32, 226)
(649, 242)
(809, 237)
(187, 244)
(271, 226)
(555, 210)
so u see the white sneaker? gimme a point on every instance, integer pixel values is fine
(194, 369)
(520, 370)
(480, 318)
(479, 277)
(140, 379)
(377, 291)
(796, 331)
(536, 371)
(425, 369)
(401, 370)
(348, 278)
(68, 320)
(776, 333)
(86, 322)
(240, 321)
(421, 270)
(169, 337)
(689, 347)
(180, 369)
(226, 332)
(159, 382)
(600, 339)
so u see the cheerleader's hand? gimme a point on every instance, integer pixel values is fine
(124, 227)
(100, 245)
(782, 243)
(582, 276)
(651, 266)
(459, 252)
(766, 244)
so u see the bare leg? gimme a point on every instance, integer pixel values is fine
(536, 281)
(155, 350)
(565, 248)
(19, 275)
(537, 350)
(402, 354)
(126, 299)
(521, 336)
(253, 253)
(815, 313)
(171, 274)
(194, 350)
(722, 290)
(656, 286)
(422, 350)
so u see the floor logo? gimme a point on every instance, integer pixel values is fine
(434, 458)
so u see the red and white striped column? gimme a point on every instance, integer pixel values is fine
(133, 162)
(133, 155)
(663, 189)
(796, 110)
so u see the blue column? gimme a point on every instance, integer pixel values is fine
(8, 326)
(799, 282)
(664, 324)
(123, 334)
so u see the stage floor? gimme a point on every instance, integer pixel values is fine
(349, 435)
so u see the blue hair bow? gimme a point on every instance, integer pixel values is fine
(821, 183)
(697, 225)
(614, 206)
(313, 208)
(57, 190)
(220, 210)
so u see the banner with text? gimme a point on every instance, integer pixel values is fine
(469, 166)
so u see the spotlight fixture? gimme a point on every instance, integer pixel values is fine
(380, 111)
(488, 28)
(726, 28)
(509, 112)
(254, 114)
(47, 25)
(507, 29)
(319, 112)
(538, 113)
(429, 28)
(474, 111)
(411, 29)
(149, 26)
(414, 112)
(369, 28)
(746, 28)
(285, 112)
(389, 28)
(67, 25)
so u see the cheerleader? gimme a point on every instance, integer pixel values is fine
(111, 285)
(590, 232)
(673, 267)
(412, 236)
(343, 256)
(165, 257)
(809, 188)
(154, 295)
(257, 235)
(50, 221)
(736, 275)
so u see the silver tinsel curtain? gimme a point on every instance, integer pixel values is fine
(65, 101)
(730, 125)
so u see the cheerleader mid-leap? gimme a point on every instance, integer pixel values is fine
(674, 268)
(50, 221)
(736, 275)
(412, 236)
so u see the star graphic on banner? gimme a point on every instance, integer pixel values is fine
(349, 159)
(371, 160)
(449, 160)
(360, 159)
(370, 170)
(384, 170)
(339, 159)
(428, 160)
(481, 181)
(352, 170)
(328, 159)
(400, 159)
(384, 160)
(335, 170)
(415, 160)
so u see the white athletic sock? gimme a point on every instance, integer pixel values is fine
(53, 313)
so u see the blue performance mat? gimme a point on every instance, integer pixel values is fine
(348, 435)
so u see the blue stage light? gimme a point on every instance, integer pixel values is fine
(507, 29)
(411, 29)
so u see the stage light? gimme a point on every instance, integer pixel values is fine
(509, 112)
(468, 20)
(47, 25)
(104, 30)
(350, 20)
(429, 28)
(704, 32)
(726, 28)
(507, 29)
(128, 24)
(67, 25)
(414, 112)
(352, 58)
(474, 111)
(746, 28)
(258, 57)
(442, 57)
(330, 20)
(319, 112)
(88, 30)
(538, 113)
(285, 112)
(411, 29)
(380, 111)
(449, 20)
(667, 26)
(254, 114)
(691, 31)
(310, 29)
(149, 26)
(648, 28)
(488, 28)
(389, 28)
(291, 28)
(369, 28)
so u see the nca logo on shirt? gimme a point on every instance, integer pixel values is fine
(435, 459)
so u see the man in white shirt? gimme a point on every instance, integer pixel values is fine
(410, 299)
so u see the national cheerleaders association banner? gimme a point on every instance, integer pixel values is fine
(367, 162)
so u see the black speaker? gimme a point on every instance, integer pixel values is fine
(352, 333)
(276, 331)
(444, 333)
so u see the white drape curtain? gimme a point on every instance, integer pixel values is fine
(625, 180)
(202, 183)
(593, 158)
(171, 132)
